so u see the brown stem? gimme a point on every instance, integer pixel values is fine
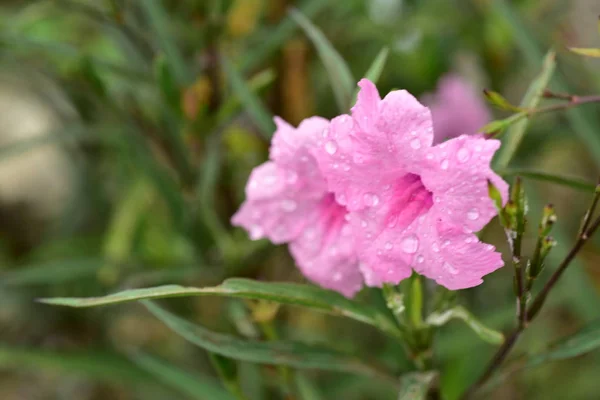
(573, 102)
(536, 305)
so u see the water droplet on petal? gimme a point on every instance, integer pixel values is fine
(330, 147)
(429, 156)
(256, 232)
(450, 268)
(415, 144)
(337, 276)
(325, 132)
(347, 217)
(444, 164)
(341, 199)
(446, 243)
(388, 246)
(270, 179)
(371, 199)
(363, 223)
(413, 133)
(420, 259)
(288, 205)
(410, 244)
(345, 167)
(478, 148)
(469, 239)
(473, 214)
(291, 177)
(393, 220)
(489, 247)
(463, 155)
(435, 247)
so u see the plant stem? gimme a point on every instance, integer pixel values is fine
(540, 299)
(573, 102)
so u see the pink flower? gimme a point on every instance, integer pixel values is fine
(456, 109)
(287, 201)
(412, 206)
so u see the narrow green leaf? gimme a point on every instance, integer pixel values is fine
(166, 82)
(414, 386)
(287, 293)
(102, 366)
(375, 70)
(52, 272)
(194, 386)
(252, 103)
(531, 99)
(292, 354)
(306, 388)
(340, 76)
(572, 182)
(495, 128)
(586, 52)
(499, 101)
(274, 39)
(158, 20)
(487, 334)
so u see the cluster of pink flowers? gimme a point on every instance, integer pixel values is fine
(366, 198)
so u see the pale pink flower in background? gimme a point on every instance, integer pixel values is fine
(412, 206)
(287, 201)
(456, 108)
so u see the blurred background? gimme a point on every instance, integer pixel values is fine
(127, 132)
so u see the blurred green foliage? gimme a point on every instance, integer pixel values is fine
(161, 110)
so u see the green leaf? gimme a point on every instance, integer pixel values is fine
(306, 388)
(375, 70)
(292, 354)
(582, 342)
(340, 76)
(166, 82)
(194, 386)
(274, 39)
(102, 366)
(487, 334)
(287, 293)
(253, 105)
(158, 20)
(496, 127)
(572, 182)
(499, 101)
(414, 386)
(586, 52)
(531, 99)
(53, 272)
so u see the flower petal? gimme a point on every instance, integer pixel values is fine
(360, 155)
(325, 253)
(277, 203)
(452, 258)
(456, 172)
(287, 140)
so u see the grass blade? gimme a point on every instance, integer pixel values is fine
(253, 105)
(194, 386)
(340, 76)
(375, 70)
(287, 293)
(292, 354)
(532, 97)
(572, 182)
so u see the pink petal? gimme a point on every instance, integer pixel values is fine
(456, 172)
(454, 259)
(360, 155)
(386, 235)
(287, 140)
(325, 253)
(274, 207)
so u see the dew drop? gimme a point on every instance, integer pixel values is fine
(325, 132)
(345, 167)
(335, 165)
(330, 147)
(388, 246)
(292, 177)
(393, 220)
(413, 133)
(463, 155)
(469, 239)
(371, 199)
(450, 268)
(435, 247)
(410, 244)
(270, 180)
(489, 247)
(256, 232)
(420, 259)
(347, 217)
(446, 243)
(478, 148)
(363, 223)
(288, 205)
(429, 156)
(337, 276)
(341, 199)
(444, 164)
(415, 144)
(473, 214)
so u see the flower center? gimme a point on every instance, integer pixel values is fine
(410, 200)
